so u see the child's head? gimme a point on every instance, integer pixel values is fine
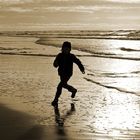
(66, 47)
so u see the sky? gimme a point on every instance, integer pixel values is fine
(69, 15)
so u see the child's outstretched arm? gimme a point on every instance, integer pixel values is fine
(80, 65)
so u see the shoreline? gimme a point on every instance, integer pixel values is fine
(44, 45)
(91, 54)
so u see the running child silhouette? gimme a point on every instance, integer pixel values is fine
(64, 61)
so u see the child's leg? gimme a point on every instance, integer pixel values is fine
(58, 92)
(70, 88)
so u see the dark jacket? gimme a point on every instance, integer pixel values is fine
(64, 62)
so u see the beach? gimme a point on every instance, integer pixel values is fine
(106, 106)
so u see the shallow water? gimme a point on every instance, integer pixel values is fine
(109, 48)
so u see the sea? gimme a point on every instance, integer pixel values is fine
(116, 53)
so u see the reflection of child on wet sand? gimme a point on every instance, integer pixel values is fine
(60, 128)
(64, 61)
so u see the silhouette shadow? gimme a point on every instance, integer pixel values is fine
(35, 133)
(60, 129)
(16, 125)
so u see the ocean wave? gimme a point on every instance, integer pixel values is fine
(92, 53)
(49, 55)
(129, 49)
(79, 34)
(113, 74)
(26, 54)
(92, 47)
(111, 87)
(11, 49)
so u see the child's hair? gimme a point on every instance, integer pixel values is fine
(66, 44)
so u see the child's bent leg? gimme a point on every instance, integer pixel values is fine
(70, 88)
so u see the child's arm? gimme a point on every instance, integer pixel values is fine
(55, 63)
(80, 65)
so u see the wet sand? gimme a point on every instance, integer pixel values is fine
(99, 112)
